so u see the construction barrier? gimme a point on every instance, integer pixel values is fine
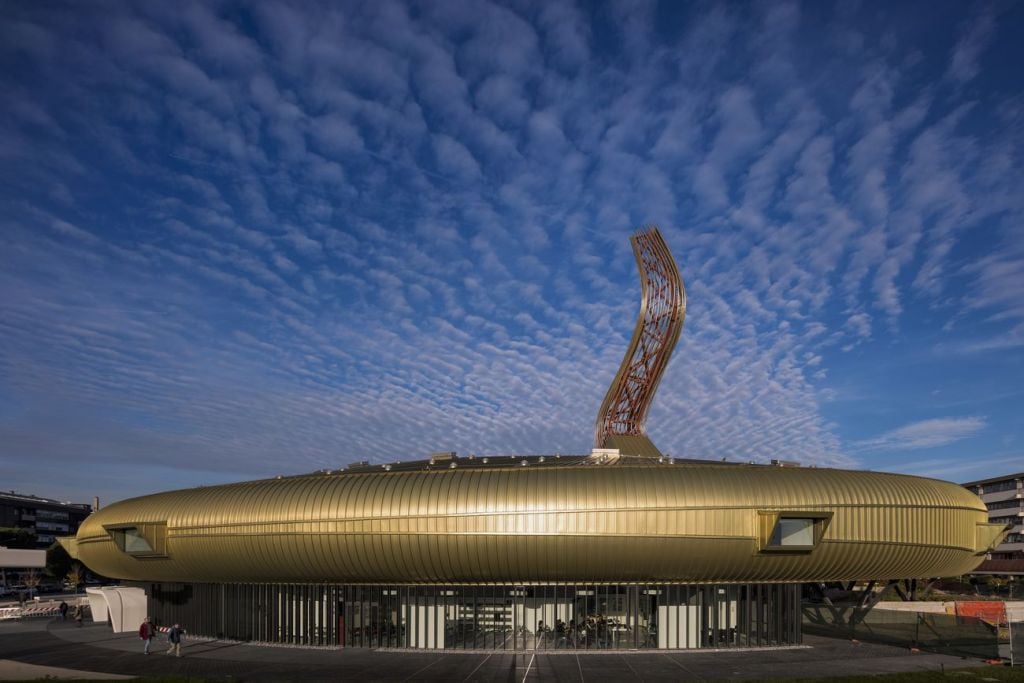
(990, 611)
(29, 611)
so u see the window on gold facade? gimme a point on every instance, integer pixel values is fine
(142, 540)
(793, 531)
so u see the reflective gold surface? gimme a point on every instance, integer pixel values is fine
(615, 516)
(545, 522)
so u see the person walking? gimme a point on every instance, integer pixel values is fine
(146, 632)
(77, 614)
(63, 607)
(174, 638)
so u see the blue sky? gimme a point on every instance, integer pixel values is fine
(241, 240)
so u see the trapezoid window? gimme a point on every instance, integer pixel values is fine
(140, 540)
(791, 531)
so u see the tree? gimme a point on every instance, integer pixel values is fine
(58, 562)
(32, 578)
(75, 576)
(15, 537)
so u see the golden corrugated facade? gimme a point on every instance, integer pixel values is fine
(544, 522)
(623, 514)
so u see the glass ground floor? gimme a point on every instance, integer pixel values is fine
(487, 617)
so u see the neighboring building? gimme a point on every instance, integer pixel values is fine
(47, 518)
(1004, 498)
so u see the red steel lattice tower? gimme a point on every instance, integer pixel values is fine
(620, 421)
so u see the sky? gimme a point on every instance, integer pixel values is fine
(240, 240)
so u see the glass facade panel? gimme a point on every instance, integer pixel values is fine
(482, 617)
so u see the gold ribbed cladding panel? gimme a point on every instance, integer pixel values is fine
(673, 522)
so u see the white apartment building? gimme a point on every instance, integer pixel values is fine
(1004, 497)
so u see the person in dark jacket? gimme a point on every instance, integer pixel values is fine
(146, 632)
(63, 610)
(174, 638)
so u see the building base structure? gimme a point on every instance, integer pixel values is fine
(580, 616)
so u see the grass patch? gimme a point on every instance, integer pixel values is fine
(985, 674)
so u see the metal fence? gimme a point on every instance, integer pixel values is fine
(958, 635)
(1012, 647)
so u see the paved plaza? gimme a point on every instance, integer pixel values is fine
(43, 647)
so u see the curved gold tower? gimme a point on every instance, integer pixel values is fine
(620, 421)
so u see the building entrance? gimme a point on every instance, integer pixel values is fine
(578, 617)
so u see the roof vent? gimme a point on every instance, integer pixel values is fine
(444, 456)
(604, 456)
(441, 458)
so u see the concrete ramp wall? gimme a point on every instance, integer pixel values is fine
(125, 607)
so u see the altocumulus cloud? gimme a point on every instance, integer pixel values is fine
(925, 434)
(240, 239)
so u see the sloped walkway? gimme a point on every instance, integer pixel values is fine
(93, 648)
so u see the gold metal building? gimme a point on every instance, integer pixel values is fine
(622, 547)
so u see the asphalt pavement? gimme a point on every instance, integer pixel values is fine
(61, 649)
